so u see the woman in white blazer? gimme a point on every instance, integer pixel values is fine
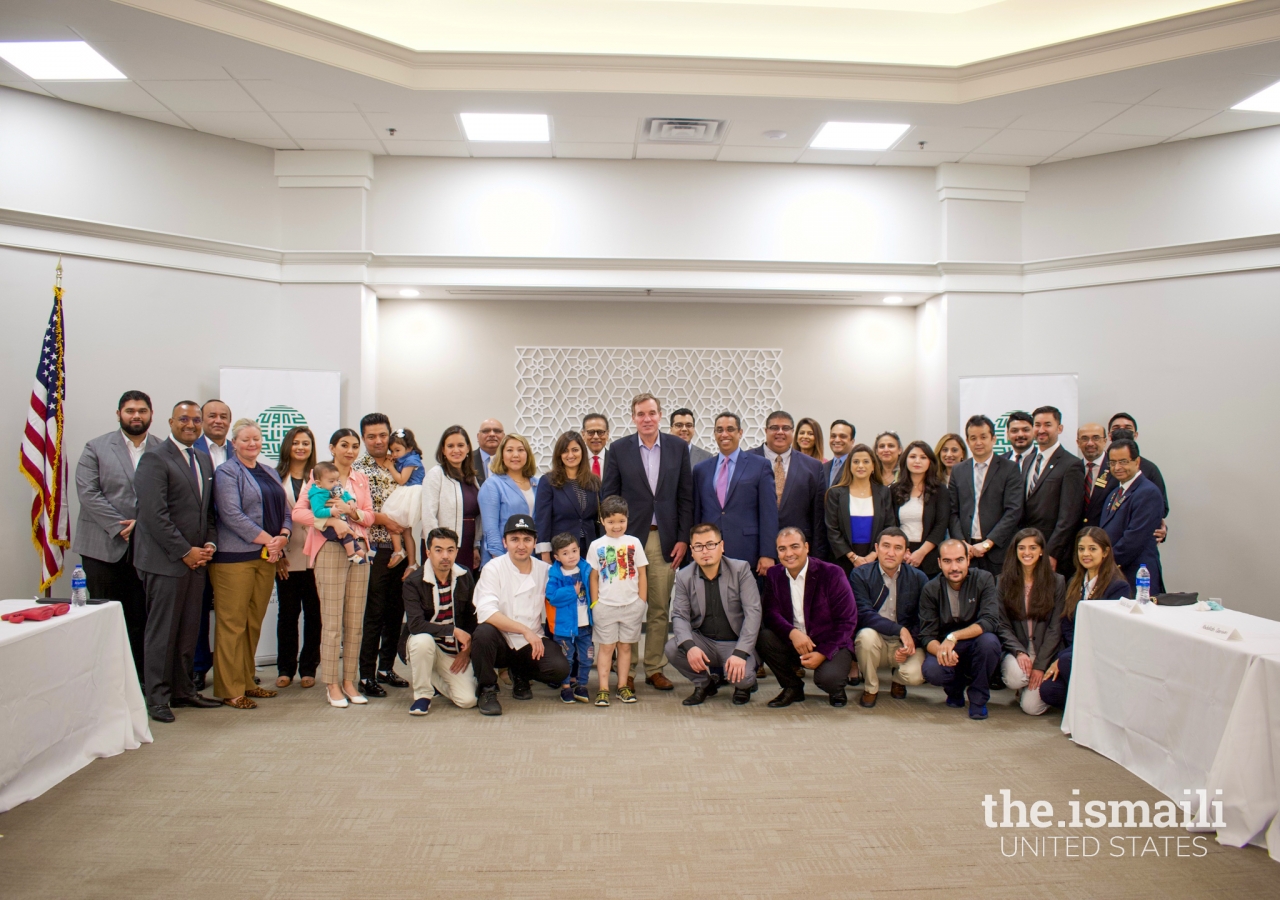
(450, 496)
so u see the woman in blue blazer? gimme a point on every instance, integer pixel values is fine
(508, 492)
(568, 499)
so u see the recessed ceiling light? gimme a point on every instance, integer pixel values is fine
(59, 61)
(1266, 100)
(893, 300)
(775, 135)
(410, 292)
(507, 127)
(858, 136)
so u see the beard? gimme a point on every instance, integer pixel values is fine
(135, 429)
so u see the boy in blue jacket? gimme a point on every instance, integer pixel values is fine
(569, 614)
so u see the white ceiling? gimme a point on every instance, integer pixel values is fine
(192, 77)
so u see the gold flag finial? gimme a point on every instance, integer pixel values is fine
(59, 270)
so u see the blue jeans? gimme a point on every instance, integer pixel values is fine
(580, 653)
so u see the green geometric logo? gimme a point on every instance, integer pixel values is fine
(275, 422)
(1002, 435)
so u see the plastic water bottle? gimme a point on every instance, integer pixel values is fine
(79, 587)
(1143, 586)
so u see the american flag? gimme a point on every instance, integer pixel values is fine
(41, 459)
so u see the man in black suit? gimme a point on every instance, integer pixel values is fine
(172, 544)
(650, 470)
(488, 438)
(798, 482)
(1055, 490)
(986, 498)
(1122, 421)
(1021, 432)
(840, 438)
(1098, 481)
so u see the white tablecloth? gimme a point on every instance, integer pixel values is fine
(1154, 694)
(1247, 767)
(69, 695)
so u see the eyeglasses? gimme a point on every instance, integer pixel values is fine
(491, 431)
(595, 432)
(710, 545)
(189, 420)
(778, 429)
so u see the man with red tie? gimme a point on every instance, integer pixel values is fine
(595, 429)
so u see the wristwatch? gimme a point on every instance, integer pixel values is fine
(951, 636)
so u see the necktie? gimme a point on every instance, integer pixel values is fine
(595, 466)
(779, 476)
(1088, 482)
(1035, 473)
(195, 470)
(722, 480)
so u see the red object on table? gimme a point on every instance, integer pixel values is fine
(37, 613)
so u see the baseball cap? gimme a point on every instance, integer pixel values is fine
(519, 523)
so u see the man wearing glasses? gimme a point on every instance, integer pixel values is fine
(682, 426)
(735, 492)
(595, 430)
(715, 613)
(488, 438)
(797, 482)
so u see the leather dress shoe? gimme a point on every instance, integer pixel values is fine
(371, 688)
(700, 693)
(839, 699)
(196, 701)
(761, 673)
(867, 701)
(787, 697)
(161, 714)
(855, 681)
(741, 696)
(898, 691)
(392, 679)
(659, 681)
(198, 679)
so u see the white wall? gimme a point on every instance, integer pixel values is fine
(657, 209)
(1194, 361)
(445, 362)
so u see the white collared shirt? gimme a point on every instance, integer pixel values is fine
(188, 454)
(1043, 462)
(217, 454)
(797, 596)
(1128, 484)
(135, 453)
(890, 607)
(772, 457)
(979, 481)
(1092, 469)
(505, 589)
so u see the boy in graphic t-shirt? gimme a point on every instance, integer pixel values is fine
(618, 585)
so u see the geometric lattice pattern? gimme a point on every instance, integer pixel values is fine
(557, 386)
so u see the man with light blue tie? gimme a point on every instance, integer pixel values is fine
(735, 492)
(840, 438)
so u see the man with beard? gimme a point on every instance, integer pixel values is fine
(109, 510)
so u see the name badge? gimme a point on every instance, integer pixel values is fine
(1100, 481)
(1221, 632)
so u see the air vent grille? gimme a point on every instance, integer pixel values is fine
(685, 131)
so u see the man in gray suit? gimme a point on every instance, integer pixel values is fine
(108, 510)
(715, 612)
(682, 427)
(173, 542)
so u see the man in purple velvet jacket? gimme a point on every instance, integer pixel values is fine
(809, 618)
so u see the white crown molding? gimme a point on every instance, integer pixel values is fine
(1208, 31)
(324, 181)
(955, 193)
(784, 281)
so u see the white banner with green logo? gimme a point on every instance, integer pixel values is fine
(995, 396)
(278, 400)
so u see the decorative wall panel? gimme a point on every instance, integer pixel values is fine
(556, 386)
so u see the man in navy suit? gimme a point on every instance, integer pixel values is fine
(1131, 514)
(798, 483)
(216, 421)
(651, 472)
(840, 438)
(734, 491)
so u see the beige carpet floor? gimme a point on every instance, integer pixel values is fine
(652, 800)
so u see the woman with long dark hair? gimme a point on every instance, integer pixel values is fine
(950, 451)
(921, 506)
(1031, 597)
(295, 583)
(857, 510)
(809, 438)
(451, 495)
(568, 499)
(1097, 577)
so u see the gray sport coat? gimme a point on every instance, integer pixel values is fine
(738, 595)
(104, 485)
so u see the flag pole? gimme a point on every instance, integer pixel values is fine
(57, 286)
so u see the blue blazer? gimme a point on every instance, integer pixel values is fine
(870, 593)
(671, 503)
(1115, 591)
(802, 501)
(499, 500)
(749, 519)
(1132, 530)
(556, 510)
(237, 497)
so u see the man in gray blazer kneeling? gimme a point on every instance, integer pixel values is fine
(715, 613)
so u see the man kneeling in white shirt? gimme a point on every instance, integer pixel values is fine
(511, 609)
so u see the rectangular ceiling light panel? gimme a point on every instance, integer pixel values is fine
(858, 136)
(59, 61)
(530, 128)
(1266, 100)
